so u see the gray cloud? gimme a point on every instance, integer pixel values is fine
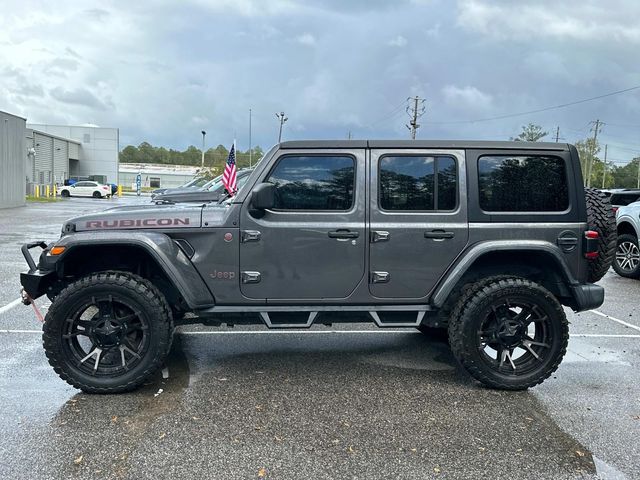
(163, 74)
(78, 96)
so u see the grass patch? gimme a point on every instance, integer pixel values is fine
(31, 198)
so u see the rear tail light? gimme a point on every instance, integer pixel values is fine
(591, 238)
(615, 209)
(104, 187)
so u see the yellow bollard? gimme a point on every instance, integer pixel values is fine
(55, 191)
(37, 191)
(48, 191)
(119, 190)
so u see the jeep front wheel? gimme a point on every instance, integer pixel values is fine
(108, 332)
(509, 333)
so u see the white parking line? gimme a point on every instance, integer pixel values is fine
(11, 305)
(621, 322)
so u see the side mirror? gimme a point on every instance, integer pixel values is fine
(263, 196)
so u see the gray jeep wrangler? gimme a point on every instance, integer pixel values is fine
(485, 239)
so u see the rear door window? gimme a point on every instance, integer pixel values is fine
(418, 183)
(523, 183)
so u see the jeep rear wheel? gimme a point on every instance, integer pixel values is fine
(108, 332)
(509, 333)
(627, 263)
(601, 219)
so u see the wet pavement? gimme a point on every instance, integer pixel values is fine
(350, 401)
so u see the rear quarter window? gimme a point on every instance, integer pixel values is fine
(523, 183)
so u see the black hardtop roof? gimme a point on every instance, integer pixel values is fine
(416, 144)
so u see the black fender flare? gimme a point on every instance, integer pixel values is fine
(168, 255)
(468, 258)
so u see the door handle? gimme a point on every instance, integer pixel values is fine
(438, 234)
(343, 233)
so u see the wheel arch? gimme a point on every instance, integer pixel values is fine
(538, 261)
(151, 255)
(626, 228)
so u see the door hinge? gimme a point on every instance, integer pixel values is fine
(380, 277)
(250, 277)
(250, 236)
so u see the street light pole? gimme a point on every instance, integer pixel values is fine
(250, 138)
(202, 162)
(282, 119)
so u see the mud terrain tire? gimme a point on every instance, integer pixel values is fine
(476, 307)
(138, 310)
(600, 218)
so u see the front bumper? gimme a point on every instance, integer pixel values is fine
(35, 282)
(587, 296)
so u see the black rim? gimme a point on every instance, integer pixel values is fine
(515, 336)
(628, 256)
(106, 336)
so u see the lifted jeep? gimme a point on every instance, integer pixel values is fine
(486, 239)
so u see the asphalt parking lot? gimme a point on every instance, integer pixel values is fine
(335, 402)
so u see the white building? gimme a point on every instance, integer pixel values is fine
(90, 151)
(156, 175)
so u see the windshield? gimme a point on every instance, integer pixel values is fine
(196, 182)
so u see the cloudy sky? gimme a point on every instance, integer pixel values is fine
(162, 71)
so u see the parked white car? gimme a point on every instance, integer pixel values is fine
(86, 189)
(627, 262)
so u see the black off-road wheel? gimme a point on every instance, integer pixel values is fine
(627, 262)
(108, 332)
(600, 217)
(509, 333)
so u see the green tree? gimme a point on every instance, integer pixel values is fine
(530, 133)
(626, 176)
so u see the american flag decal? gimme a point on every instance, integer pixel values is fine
(229, 177)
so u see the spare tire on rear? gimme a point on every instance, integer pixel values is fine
(600, 218)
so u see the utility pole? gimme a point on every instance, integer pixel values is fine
(282, 119)
(249, 138)
(638, 173)
(415, 113)
(593, 152)
(604, 167)
(557, 133)
(202, 162)
(349, 136)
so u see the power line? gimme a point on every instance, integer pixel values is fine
(538, 110)
(391, 114)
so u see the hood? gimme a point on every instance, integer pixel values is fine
(138, 217)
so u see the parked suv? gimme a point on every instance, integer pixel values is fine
(627, 262)
(486, 239)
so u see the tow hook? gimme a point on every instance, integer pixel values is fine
(27, 300)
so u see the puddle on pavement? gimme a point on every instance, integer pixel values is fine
(585, 351)
(94, 435)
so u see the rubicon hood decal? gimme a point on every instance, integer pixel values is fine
(138, 223)
(140, 218)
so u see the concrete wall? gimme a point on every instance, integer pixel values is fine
(13, 155)
(98, 154)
